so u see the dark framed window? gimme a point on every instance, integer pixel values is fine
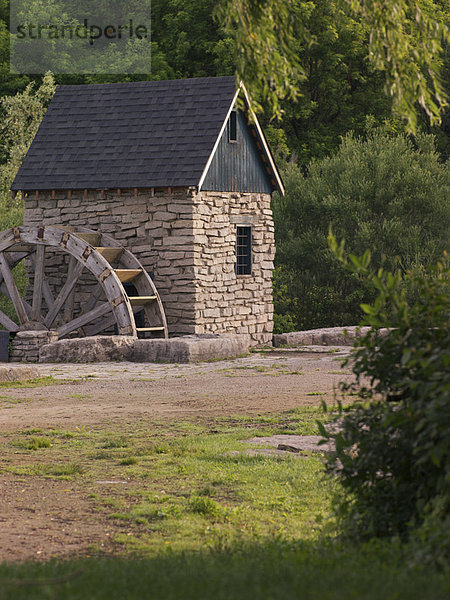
(243, 250)
(232, 127)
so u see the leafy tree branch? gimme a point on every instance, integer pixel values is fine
(406, 42)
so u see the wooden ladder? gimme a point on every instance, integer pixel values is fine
(113, 255)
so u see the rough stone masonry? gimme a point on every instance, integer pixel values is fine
(187, 241)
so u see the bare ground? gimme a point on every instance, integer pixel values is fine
(41, 518)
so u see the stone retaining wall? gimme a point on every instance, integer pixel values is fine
(187, 241)
(26, 345)
(327, 336)
(184, 349)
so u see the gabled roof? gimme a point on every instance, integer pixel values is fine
(128, 135)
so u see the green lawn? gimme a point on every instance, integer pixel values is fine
(201, 519)
(264, 570)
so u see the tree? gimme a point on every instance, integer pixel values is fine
(384, 192)
(405, 42)
(23, 115)
(9, 84)
(340, 89)
(193, 42)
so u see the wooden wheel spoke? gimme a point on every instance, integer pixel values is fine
(14, 258)
(68, 308)
(12, 289)
(38, 283)
(63, 295)
(94, 298)
(7, 322)
(5, 291)
(85, 318)
(106, 323)
(48, 294)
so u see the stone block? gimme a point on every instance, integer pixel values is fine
(328, 336)
(88, 349)
(191, 348)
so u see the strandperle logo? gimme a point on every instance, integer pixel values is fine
(80, 37)
(86, 31)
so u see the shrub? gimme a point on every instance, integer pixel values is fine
(23, 114)
(384, 192)
(392, 452)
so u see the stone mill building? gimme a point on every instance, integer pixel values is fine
(180, 173)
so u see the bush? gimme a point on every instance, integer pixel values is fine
(383, 192)
(392, 452)
(23, 114)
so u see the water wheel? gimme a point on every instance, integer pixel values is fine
(64, 265)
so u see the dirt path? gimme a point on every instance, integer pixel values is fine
(41, 518)
(112, 392)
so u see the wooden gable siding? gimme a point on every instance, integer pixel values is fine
(237, 166)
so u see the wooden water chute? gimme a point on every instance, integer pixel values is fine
(109, 307)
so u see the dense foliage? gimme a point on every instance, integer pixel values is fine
(22, 116)
(338, 86)
(392, 455)
(383, 191)
(405, 43)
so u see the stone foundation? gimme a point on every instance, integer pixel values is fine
(26, 345)
(123, 348)
(327, 336)
(186, 240)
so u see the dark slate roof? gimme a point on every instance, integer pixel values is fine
(126, 135)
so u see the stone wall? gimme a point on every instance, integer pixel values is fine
(185, 349)
(158, 229)
(187, 241)
(26, 345)
(227, 302)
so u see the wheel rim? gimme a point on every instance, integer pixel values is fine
(46, 309)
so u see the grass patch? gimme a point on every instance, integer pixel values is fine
(193, 522)
(33, 443)
(49, 470)
(298, 421)
(260, 570)
(114, 442)
(52, 433)
(274, 369)
(36, 382)
(180, 483)
(203, 505)
(131, 460)
(10, 401)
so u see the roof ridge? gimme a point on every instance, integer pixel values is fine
(224, 78)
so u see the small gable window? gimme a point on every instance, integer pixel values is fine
(232, 127)
(243, 250)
